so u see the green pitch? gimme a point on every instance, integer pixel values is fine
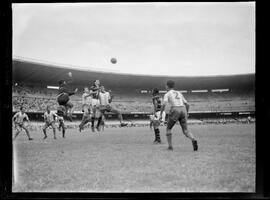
(125, 160)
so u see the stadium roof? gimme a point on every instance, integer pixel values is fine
(48, 74)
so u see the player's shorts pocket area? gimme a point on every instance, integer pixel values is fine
(104, 108)
(177, 113)
(63, 99)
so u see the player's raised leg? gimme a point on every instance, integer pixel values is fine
(119, 115)
(85, 118)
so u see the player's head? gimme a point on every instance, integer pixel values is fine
(86, 89)
(22, 109)
(48, 108)
(170, 84)
(97, 82)
(102, 88)
(62, 82)
(155, 91)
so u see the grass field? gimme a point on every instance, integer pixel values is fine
(125, 160)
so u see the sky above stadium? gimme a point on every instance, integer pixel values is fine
(183, 39)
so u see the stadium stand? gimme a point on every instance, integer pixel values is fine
(31, 79)
(37, 98)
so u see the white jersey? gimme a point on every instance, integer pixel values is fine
(174, 98)
(104, 98)
(86, 99)
(49, 117)
(19, 117)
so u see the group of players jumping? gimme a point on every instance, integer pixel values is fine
(96, 101)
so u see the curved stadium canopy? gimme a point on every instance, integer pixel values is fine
(46, 74)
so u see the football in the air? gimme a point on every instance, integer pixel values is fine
(113, 60)
(69, 74)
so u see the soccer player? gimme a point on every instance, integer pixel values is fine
(154, 119)
(178, 112)
(19, 119)
(63, 96)
(86, 108)
(60, 114)
(105, 106)
(94, 90)
(49, 119)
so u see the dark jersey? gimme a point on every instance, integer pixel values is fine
(157, 103)
(64, 89)
(95, 89)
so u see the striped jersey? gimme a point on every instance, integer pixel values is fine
(157, 103)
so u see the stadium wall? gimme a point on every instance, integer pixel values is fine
(38, 116)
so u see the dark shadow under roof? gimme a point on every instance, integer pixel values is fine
(45, 74)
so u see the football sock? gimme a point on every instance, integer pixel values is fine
(99, 121)
(63, 132)
(92, 121)
(157, 135)
(169, 139)
(44, 131)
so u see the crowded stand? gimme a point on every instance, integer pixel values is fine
(36, 98)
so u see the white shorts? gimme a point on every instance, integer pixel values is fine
(95, 102)
(157, 115)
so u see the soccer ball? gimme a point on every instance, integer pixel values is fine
(69, 74)
(113, 60)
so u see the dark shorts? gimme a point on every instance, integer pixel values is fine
(177, 114)
(63, 99)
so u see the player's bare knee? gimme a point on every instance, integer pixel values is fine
(185, 132)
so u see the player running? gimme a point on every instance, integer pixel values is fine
(60, 118)
(105, 106)
(19, 119)
(86, 108)
(178, 112)
(63, 96)
(94, 90)
(154, 119)
(49, 119)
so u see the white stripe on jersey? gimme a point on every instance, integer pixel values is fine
(174, 98)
